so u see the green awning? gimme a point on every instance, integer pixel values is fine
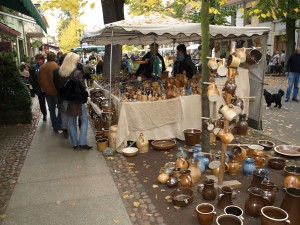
(25, 7)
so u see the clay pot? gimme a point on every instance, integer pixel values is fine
(208, 190)
(249, 167)
(163, 177)
(238, 153)
(256, 201)
(230, 86)
(142, 144)
(254, 56)
(271, 215)
(195, 171)
(215, 167)
(177, 172)
(205, 213)
(208, 125)
(102, 143)
(254, 149)
(259, 159)
(192, 136)
(225, 198)
(258, 176)
(233, 167)
(182, 197)
(238, 104)
(186, 179)
(242, 125)
(181, 163)
(291, 204)
(234, 210)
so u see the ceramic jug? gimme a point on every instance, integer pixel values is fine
(225, 198)
(163, 177)
(256, 201)
(142, 144)
(228, 112)
(201, 163)
(195, 171)
(186, 179)
(208, 190)
(225, 135)
(213, 93)
(112, 137)
(248, 167)
(270, 190)
(233, 167)
(181, 163)
(258, 176)
(181, 152)
(172, 181)
(242, 125)
(238, 153)
(291, 203)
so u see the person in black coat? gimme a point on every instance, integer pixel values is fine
(33, 72)
(147, 68)
(183, 63)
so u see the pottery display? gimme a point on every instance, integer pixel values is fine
(208, 190)
(256, 201)
(102, 143)
(186, 179)
(195, 171)
(225, 198)
(270, 190)
(271, 215)
(234, 210)
(291, 204)
(142, 144)
(242, 125)
(205, 213)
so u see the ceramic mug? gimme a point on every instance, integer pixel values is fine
(212, 64)
(271, 215)
(239, 153)
(228, 219)
(233, 61)
(205, 213)
(233, 167)
(226, 136)
(208, 125)
(213, 93)
(215, 167)
(241, 54)
(222, 69)
(228, 112)
(234, 210)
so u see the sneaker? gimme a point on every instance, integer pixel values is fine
(45, 118)
(295, 100)
(55, 130)
(65, 133)
(86, 147)
(286, 100)
(75, 147)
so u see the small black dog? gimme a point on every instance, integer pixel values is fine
(276, 98)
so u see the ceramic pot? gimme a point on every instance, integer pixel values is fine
(215, 167)
(186, 179)
(238, 153)
(228, 112)
(228, 219)
(230, 86)
(213, 93)
(112, 137)
(249, 167)
(271, 215)
(142, 144)
(177, 172)
(254, 56)
(259, 159)
(234, 210)
(225, 198)
(254, 149)
(163, 177)
(181, 152)
(208, 190)
(256, 201)
(172, 181)
(238, 105)
(195, 171)
(291, 203)
(233, 167)
(270, 190)
(226, 136)
(102, 143)
(169, 167)
(205, 213)
(208, 125)
(192, 136)
(181, 163)
(242, 125)
(212, 64)
(258, 176)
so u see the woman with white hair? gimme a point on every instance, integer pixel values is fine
(74, 91)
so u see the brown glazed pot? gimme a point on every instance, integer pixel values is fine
(225, 198)
(182, 197)
(208, 190)
(291, 203)
(195, 171)
(271, 215)
(192, 136)
(186, 179)
(256, 201)
(205, 213)
(228, 219)
(270, 190)
(242, 125)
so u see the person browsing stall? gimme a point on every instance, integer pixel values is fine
(183, 63)
(151, 67)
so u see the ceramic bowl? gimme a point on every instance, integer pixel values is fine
(292, 171)
(163, 144)
(182, 197)
(276, 163)
(130, 151)
(268, 145)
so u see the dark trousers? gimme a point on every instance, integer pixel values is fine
(42, 102)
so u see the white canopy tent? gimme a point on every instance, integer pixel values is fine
(144, 30)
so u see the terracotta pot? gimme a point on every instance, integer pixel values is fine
(227, 219)
(233, 167)
(238, 153)
(226, 136)
(163, 177)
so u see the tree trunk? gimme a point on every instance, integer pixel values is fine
(113, 11)
(205, 72)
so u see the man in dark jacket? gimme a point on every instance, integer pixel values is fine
(147, 69)
(34, 70)
(293, 70)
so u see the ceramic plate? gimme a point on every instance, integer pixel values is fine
(163, 144)
(289, 150)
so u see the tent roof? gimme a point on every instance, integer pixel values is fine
(165, 30)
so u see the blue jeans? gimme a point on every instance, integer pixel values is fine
(83, 128)
(52, 101)
(293, 81)
(63, 114)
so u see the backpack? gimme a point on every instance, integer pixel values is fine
(73, 91)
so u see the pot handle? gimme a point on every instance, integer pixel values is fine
(267, 200)
(287, 221)
(200, 187)
(220, 196)
(275, 188)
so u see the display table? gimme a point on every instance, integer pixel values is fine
(166, 118)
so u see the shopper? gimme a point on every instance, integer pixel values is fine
(293, 72)
(33, 80)
(75, 93)
(45, 80)
(183, 63)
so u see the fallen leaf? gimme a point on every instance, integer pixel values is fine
(155, 186)
(168, 197)
(116, 221)
(176, 207)
(58, 202)
(72, 203)
(78, 167)
(125, 196)
(162, 190)
(110, 158)
(3, 217)
(148, 214)
(136, 204)
(136, 171)
(145, 181)
(131, 164)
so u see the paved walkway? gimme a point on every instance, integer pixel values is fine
(58, 185)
